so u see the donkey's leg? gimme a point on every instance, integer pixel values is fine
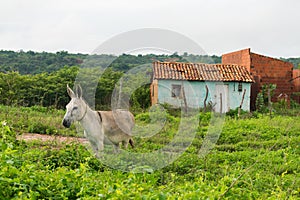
(116, 148)
(95, 148)
(125, 143)
(85, 134)
(99, 146)
(98, 151)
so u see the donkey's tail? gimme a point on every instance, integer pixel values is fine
(131, 142)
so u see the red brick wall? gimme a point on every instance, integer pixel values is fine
(265, 70)
(296, 79)
(239, 57)
(271, 70)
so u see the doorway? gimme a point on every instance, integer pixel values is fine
(222, 98)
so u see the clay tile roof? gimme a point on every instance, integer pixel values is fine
(200, 72)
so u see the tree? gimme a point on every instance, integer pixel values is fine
(263, 100)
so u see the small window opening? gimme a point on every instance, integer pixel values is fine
(240, 87)
(176, 91)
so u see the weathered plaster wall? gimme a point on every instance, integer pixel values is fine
(195, 93)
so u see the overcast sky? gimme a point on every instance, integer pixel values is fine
(269, 27)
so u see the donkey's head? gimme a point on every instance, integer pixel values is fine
(76, 108)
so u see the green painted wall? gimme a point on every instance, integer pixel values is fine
(195, 93)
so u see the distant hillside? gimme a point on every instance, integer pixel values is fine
(34, 63)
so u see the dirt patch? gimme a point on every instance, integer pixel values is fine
(49, 138)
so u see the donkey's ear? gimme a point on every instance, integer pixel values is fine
(78, 91)
(70, 92)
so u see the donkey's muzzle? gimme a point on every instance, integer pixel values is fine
(66, 123)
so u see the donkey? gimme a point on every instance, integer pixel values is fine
(109, 127)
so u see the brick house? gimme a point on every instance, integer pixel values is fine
(265, 70)
(193, 84)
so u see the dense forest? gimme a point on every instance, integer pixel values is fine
(31, 78)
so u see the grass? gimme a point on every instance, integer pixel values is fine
(254, 158)
(36, 119)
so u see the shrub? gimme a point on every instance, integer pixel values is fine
(7, 136)
(39, 127)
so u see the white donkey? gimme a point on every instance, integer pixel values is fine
(109, 127)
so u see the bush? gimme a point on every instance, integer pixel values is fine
(39, 127)
(7, 136)
(234, 113)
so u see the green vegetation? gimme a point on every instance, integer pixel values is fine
(40, 62)
(255, 158)
(40, 89)
(34, 63)
(30, 78)
(35, 119)
(263, 99)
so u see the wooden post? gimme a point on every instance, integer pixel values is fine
(184, 98)
(221, 103)
(205, 99)
(240, 107)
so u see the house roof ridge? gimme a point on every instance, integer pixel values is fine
(199, 63)
(201, 71)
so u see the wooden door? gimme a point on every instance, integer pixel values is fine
(222, 98)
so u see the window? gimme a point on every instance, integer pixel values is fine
(176, 91)
(240, 87)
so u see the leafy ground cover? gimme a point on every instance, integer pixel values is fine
(254, 158)
(36, 119)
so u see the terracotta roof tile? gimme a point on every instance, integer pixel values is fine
(201, 72)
